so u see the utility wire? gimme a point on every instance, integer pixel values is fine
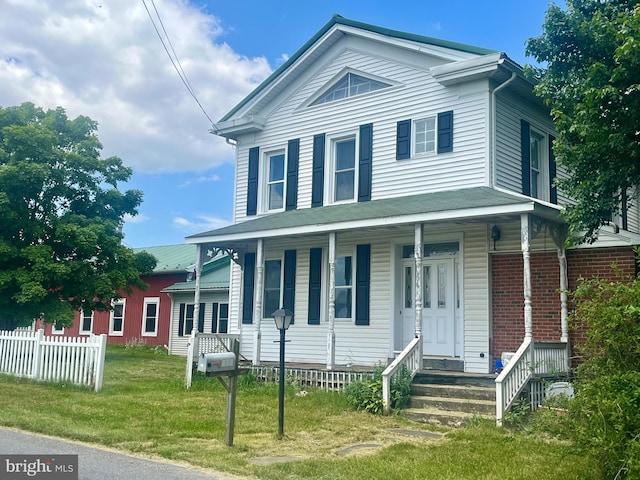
(178, 66)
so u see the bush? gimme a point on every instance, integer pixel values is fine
(367, 394)
(606, 410)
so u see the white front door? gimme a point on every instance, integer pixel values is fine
(438, 313)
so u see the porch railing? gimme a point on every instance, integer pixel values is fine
(533, 359)
(206, 343)
(411, 358)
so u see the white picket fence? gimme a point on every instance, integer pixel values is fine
(79, 360)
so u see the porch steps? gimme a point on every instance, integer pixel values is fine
(451, 398)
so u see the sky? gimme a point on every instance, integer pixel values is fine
(104, 59)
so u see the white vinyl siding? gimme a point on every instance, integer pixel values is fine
(415, 95)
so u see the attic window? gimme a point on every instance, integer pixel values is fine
(349, 86)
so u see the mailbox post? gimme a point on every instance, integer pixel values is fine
(219, 365)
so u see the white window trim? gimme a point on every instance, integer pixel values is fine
(149, 301)
(263, 180)
(330, 166)
(267, 315)
(218, 317)
(123, 302)
(543, 165)
(347, 252)
(414, 132)
(80, 329)
(56, 331)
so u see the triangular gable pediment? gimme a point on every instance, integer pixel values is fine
(247, 116)
(347, 84)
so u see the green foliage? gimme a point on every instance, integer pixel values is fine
(591, 51)
(606, 409)
(367, 394)
(60, 240)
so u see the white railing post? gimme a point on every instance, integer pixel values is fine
(410, 357)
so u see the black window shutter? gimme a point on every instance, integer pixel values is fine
(403, 140)
(289, 293)
(366, 160)
(252, 182)
(363, 281)
(181, 320)
(315, 285)
(248, 286)
(317, 181)
(624, 210)
(214, 318)
(445, 132)
(293, 154)
(553, 190)
(525, 149)
(201, 318)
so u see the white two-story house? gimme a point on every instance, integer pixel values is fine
(391, 186)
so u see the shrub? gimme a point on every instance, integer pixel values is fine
(606, 408)
(367, 394)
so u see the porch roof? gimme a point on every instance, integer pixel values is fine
(451, 205)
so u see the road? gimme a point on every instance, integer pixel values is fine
(96, 463)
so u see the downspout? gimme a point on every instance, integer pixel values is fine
(492, 165)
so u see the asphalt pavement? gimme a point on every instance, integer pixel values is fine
(95, 463)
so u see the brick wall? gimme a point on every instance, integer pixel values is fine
(508, 291)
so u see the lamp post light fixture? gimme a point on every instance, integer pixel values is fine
(283, 319)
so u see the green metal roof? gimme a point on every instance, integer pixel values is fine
(479, 200)
(215, 276)
(171, 258)
(337, 19)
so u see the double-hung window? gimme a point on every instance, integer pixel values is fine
(116, 321)
(344, 169)
(275, 178)
(539, 176)
(272, 287)
(344, 287)
(150, 317)
(86, 322)
(57, 329)
(425, 135)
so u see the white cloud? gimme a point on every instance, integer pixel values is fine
(140, 218)
(201, 223)
(104, 60)
(201, 179)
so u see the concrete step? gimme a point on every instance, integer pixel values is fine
(448, 404)
(434, 416)
(454, 391)
(454, 378)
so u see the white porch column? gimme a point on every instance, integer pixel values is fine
(417, 255)
(525, 235)
(331, 335)
(196, 295)
(257, 311)
(564, 304)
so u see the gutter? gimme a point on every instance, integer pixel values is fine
(492, 156)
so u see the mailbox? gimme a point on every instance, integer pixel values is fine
(212, 363)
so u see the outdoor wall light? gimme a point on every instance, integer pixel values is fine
(495, 235)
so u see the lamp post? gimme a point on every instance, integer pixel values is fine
(283, 319)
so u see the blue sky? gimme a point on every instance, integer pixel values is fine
(104, 59)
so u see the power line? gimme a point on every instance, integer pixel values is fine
(176, 63)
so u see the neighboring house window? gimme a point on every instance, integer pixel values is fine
(344, 169)
(116, 321)
(539, 187)
(86, 322)
(538, 164)
(57, 329)
(349, 86)
(272, 287)
(344, 287)
(150, 317)
(186, 319)
(274, 175)
(220, 318)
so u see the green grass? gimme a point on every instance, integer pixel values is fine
(144, 408)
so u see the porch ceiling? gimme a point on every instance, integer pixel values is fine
(468, 205)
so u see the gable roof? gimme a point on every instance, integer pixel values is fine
(338, 21)
(171, 258)
(451, 205)
(215, 276)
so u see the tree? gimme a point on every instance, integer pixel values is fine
(591, 83)
(61, 212)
